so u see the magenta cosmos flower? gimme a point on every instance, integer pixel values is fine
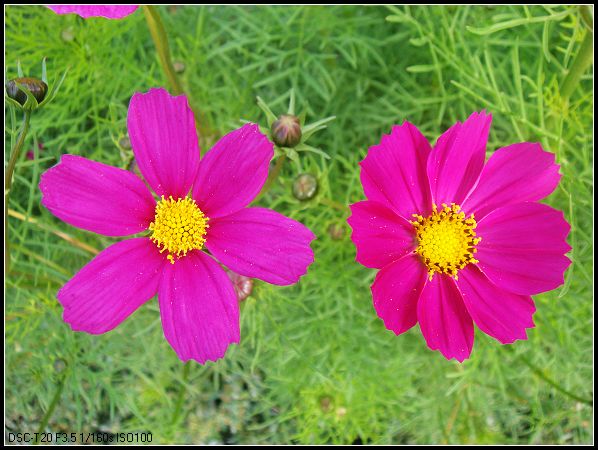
(198, 305)
(86, 11)
(458, 242)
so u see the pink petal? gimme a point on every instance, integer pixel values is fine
(380, 235)
(164, 140)
(199, 308)
(498, 313)
(112, 286)
(233, 172)
(97, 197)
(86, 11)
(514, 174)
(443, 319)
(394, 172)
(457, 159)
(396, 292)
(261, 243)
(523, 247)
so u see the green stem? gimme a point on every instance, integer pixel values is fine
(179, 403)
(335, 205)
(160, 38)
(51, 409)
(14, 157)
(538, 372)
(582, 61)
(156, 27)
(272, 176)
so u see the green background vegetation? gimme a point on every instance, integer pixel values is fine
(315, 364)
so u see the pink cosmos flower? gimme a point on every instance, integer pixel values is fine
(458, 241)
(86, 11)
(198, 305)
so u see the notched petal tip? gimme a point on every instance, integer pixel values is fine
(483, 114)
(213, 359)
(113, 12)
(262, 243)
(233, 171)
(394, 171)
(199, 308)
(254, 128)
(163, 136)
(159, 90)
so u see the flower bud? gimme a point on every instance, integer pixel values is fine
(336, 231)
(31, 153)
(341, 411)
(67, 35)
(286, 131)
(243, 285)
(125, 143)
(325, 404)
(178, 66)
(133, 167)
(59, 365)
(305, 186)
(36, 86)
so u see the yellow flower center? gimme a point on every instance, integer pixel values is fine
(179, 226)
(446, 240)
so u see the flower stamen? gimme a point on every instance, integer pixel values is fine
(179, 226)
(446, 240)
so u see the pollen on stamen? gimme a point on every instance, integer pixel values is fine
(446, 240)
(179, 226)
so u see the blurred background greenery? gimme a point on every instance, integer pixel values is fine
(315, 364)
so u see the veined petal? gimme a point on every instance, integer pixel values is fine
(396, 292)
(261, 243)
(233, 172)
(456, 162)
(514, 174)
(523, 247)
(380, 235)
(443, 319)
(164, 140)
(394, 172)
(199, 308)
(97, 197)
(498, 313)
(86, 11)
(112, 286)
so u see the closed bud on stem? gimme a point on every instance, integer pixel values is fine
(243, 285)
(67, 35)
(336, 232)
(286, 131)
(37, 87)
(325, 404)
(30, 93)
(59, 365)
(125, 143)
(305, 186)
(179, 66)
(133, 167)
